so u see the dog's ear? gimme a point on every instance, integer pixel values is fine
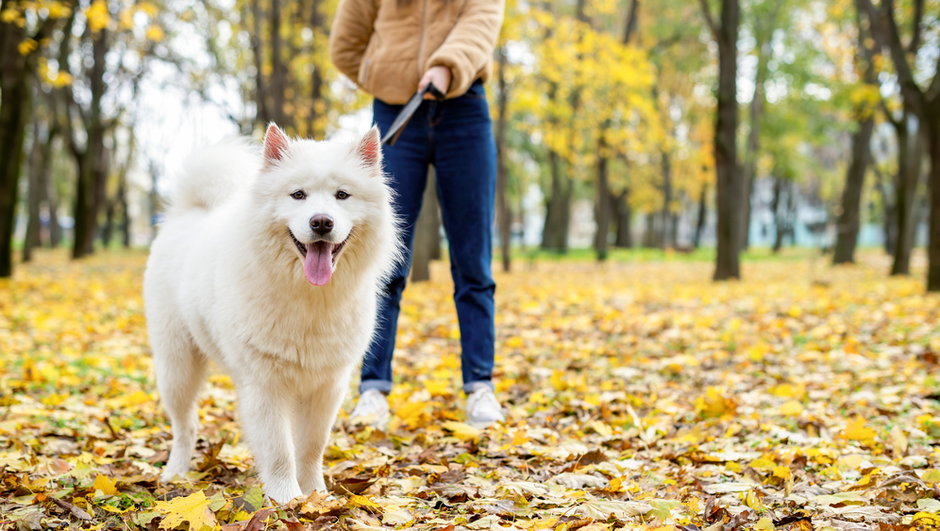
(275, 145)
(369, 149)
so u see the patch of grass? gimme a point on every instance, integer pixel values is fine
(643, 255)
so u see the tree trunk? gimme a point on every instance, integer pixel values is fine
(125, 214)
(700, 219)
(674, 230)
(316, 82)
(153, 199)
(38, 164)
(651, 236)
(849, 220)
(118, 211)
(925, 104)
(503, 215)
(41, 178)
(888, 201)
(619, 203)
(778, 217)
(910, 158)
(933, 244)
(557, 209)
(427, 232)
(52, 202)
(107, 230)
(82, 233)
(750, 165)
(278, 68)
(603, 206)
(263, 110)
(92, 162)
(623, 215)
(753, 136)
(729, 193)
(665, 218)
(15, 80)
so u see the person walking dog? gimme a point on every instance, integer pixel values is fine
(393, 49)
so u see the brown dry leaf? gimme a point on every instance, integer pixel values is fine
(642, 395)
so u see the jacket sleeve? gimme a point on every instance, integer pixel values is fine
(469, 46)
(350, 34)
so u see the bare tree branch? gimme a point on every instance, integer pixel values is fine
(915, 26)
(630, 28)
(885, 30)
(709, 19)
(933, 92)
(667, 43)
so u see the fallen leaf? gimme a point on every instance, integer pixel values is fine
(193, 509)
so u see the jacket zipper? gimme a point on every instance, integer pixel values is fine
(424, 23)
(364, 72)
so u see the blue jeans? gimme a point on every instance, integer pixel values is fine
(456, 137)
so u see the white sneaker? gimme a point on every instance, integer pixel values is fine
(371, 409)
(482, 407)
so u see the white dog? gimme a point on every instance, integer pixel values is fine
(270, 264)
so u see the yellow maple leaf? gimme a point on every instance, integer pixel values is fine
(764, 523)
(464, 432)
(762, 463)
(925, 520)
(715, 403)
(361, 501)
(898, 441)
(514, 342)
(412, 413)
(930, 475)
(105, 485)
(27, 46)
(438, 387)
(858, 431)
(792, 408)
(520, 437)
(155, 33)
(98, 16)
(752, 500)
(783, 472)
(148, 7)
(193, 509)
(788, 390)
(58, 10)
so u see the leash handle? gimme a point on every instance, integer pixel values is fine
(401, 121)
(436, 92)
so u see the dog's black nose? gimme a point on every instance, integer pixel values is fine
(321, 224)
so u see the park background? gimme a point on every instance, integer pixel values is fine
(645, 149)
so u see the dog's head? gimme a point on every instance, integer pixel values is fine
(324, 198)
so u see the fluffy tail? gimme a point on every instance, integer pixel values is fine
(212, 174)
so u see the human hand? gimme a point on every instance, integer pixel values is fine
(440, 76)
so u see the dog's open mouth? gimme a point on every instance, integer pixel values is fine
(319, 259)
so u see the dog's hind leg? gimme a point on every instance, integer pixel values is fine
(315, 416)
(181, 370)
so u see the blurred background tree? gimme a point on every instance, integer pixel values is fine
(728, 125)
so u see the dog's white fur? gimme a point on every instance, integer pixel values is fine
(225, 282)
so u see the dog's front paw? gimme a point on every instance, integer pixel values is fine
(176, 466)
(169, 475)
(282, 493)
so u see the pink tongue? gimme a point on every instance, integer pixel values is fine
(318, 264)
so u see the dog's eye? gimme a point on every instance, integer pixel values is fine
(342, 194)
(299, 194)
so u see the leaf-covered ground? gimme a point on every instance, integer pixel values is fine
(640, 395)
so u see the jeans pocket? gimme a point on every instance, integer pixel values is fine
(476, 91)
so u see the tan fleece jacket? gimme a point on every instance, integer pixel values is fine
(386, 46)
